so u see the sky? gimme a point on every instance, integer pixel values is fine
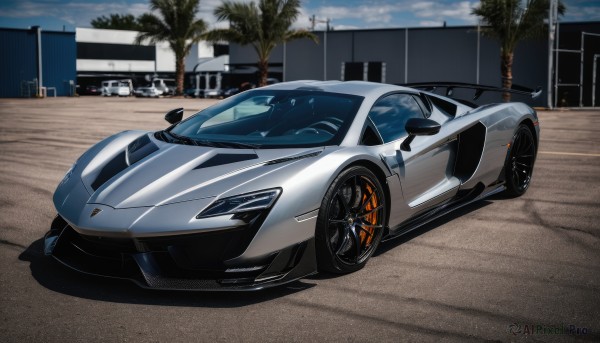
(343, 14)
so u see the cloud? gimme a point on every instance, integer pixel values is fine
(430, 23)
(584, 12)
(345, 27)
(75, 13)
(344, 14)
(368, 14)
(399, 13)
(443, 11)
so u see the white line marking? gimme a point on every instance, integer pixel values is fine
(568, 153)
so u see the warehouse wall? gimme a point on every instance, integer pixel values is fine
(18, 58)
(58, 61)
(434, 54)
(570, 63)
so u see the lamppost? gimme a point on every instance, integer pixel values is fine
(314, 22)
(552, 17)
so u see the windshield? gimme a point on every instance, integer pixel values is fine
(272, 119)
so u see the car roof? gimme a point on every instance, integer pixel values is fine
(361, 88)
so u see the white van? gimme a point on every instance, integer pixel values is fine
(116, 87)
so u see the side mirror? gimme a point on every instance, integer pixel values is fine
(419, 127)
(174, 116)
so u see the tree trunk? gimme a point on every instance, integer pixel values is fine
(263, 69)
(506, 61)
(179, 73)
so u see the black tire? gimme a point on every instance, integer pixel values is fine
(350, 222)
(518, 167)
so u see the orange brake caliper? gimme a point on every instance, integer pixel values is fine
(371, 218)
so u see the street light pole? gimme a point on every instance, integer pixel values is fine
(314, 21)
(552, 13)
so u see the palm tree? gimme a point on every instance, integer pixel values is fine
(116, 21)
(509, 22)
(176, 24)
(263, 26)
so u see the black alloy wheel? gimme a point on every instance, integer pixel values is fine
(350, 222)
(519, 163)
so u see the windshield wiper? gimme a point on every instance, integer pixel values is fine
(162, 136)
(183, 139)
(168, 136)
(237, 145)
(206, 143)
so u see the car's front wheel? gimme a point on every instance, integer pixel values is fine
(350, 222)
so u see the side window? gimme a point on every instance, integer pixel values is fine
(390, 114)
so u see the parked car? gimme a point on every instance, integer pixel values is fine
(230, 92)
(194, 93)
(148, 91)
(284, 181)
(203, 93)
(213, 93)
(90, 90)
(116, 87)
(158, 87)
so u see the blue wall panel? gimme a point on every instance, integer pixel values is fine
(59, 53)
(17, 60)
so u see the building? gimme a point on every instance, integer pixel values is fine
(39, 63)
(112, 54)
(35, 63)
(459, 54)
(399, 56)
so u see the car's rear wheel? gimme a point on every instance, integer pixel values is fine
(519, 163)
(350, 222)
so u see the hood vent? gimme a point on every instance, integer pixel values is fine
(135, 151)
(221, 159)
(139, 149)
(293, 158)
(112, 168)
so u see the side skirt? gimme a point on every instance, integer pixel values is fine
(477, 193)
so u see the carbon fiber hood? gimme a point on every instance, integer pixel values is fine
(173, 173)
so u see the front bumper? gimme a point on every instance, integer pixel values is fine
(180, 262)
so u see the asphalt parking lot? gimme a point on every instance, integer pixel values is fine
(501, 269)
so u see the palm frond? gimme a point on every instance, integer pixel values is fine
(230, 35)
(299, 34)
(510, 21)
(262, 26)
(173, 21)
(153, 29)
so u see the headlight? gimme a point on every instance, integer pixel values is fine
(242, 203)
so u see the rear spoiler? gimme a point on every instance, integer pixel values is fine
(479, 89)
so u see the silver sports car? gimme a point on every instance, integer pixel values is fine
(280, 182)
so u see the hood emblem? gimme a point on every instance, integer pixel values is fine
(95, 212)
